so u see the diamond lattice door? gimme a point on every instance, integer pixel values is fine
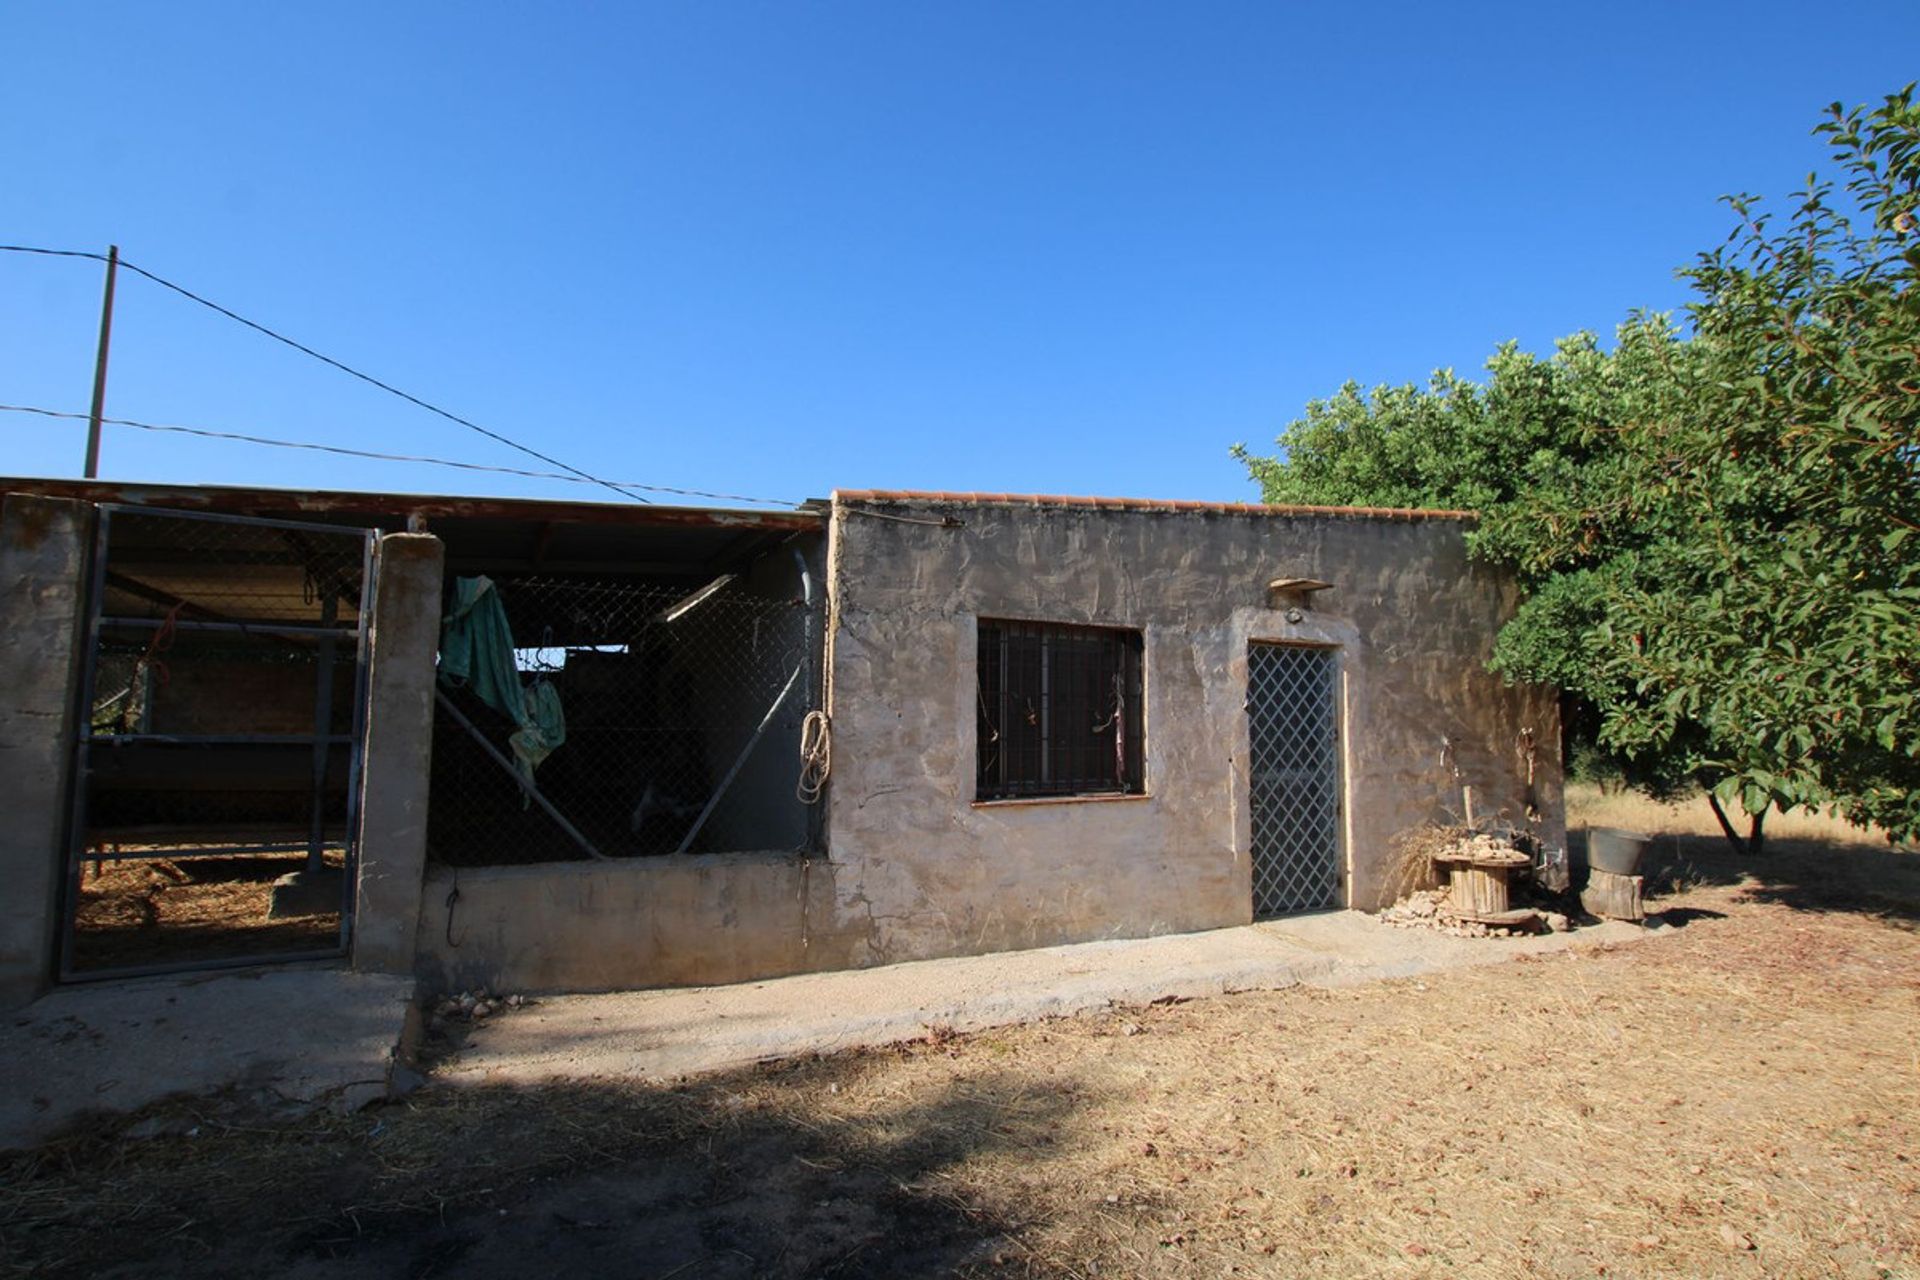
(1294, 782)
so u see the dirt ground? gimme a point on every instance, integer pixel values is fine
(140, 911)
(1736, 1096)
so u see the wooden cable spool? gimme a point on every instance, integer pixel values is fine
(1478, 885)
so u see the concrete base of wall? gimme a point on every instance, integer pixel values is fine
(607, 926)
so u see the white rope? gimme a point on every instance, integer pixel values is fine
(816, 757)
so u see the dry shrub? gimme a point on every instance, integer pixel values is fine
(1412, 856)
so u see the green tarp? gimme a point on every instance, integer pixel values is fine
(476, 653)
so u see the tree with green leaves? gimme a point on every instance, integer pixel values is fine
(1716, 528)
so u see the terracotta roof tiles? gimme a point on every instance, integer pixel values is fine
(1140, 504)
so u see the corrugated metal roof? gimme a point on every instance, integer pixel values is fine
(306, 504)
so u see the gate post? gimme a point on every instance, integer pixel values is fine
(397, 760)
(43, 604)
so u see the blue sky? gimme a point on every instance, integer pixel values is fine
(771, 249)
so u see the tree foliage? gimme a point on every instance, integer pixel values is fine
(1718, 529)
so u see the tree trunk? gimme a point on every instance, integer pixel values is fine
(1755, 843)
(1726, 827)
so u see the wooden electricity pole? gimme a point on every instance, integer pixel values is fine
(100, 366)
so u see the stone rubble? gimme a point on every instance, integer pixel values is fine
(474, 1006)
(1484, 845)
(1425, 909)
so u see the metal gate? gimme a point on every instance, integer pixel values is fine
(218, 743)
(1294, 778)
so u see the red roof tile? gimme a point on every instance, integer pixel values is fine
(1141, 504)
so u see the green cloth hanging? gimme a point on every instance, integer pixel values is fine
(476, 652)
(546, 727)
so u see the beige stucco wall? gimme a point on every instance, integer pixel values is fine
(697, 920)
(921, 870)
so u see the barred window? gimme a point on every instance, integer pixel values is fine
(1059, 711)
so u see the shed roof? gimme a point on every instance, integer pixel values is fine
(494, 535)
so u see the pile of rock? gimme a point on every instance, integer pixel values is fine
(475, 1006)
(1481, 845)
(1427, 909)
(1418, 910)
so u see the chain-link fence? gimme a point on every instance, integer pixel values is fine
(641, 720)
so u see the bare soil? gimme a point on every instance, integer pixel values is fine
(140, 911)
(1737, 1095)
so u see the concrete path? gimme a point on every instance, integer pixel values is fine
(663, 1034)
(297, 1035)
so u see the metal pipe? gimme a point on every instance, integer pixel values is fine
(533, 793)
(264, 627)
(227, 739)
(322, 727)
(687, 841)
(82, 782)
(806, 578)
(815, 817)
(173, 852)
(363, 607)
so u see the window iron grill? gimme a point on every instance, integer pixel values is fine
(1059, 711)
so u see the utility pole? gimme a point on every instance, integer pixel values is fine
(100, 365)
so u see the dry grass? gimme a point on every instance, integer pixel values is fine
(1589, 806)
(148, 910)
(1736, 1096)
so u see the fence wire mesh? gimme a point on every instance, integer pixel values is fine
(1295, 779)
(223, 679)
(177, 565)
(662, 693)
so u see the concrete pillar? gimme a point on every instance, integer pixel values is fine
(44, 546)
(397, 762)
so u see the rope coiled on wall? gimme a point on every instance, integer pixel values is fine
(816, 757)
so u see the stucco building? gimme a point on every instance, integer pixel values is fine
(883, 727)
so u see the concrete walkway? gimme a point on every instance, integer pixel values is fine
(298, 1036)
(663, 1034)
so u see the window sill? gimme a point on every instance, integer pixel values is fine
(1021, 802)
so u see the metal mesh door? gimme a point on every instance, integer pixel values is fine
(1294, 782)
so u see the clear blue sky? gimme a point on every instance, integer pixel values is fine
(772, 249)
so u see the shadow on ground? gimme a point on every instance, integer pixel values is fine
(794, 1169)
(1807, 875)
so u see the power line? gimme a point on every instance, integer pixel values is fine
(209, 434)
(368, 378)
(53, 253)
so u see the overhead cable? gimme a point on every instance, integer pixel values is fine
(209, 434)
(368, 378)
